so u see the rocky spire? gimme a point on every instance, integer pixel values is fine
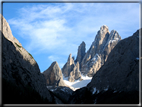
(121, 70)
(113, 39)
(81, 52)
(75, 73)
(71, 70)
(53, 75)
(68, 67)
(101, 47)
(70, 60)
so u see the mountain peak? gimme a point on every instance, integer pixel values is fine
(104, 29)
(70, 57)
(114, 35)
(81, 52)
(83, 42)
(7, 31)
(53, 75)
(54, 63)
(102, 45)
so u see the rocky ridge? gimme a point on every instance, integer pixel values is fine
(117, 81)
(118, 77)
(20, 69)
(90, 62)
(121, 70)
(98, 52)
(81, 52)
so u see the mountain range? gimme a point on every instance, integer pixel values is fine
(112, 63)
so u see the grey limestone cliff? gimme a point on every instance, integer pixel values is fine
(68, 67)
(75, 73)
(98, 52)
(71, 70)
(19, 67)
(81, 52)
(117, 81)
(53, 75)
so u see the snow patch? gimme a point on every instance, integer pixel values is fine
(105, 89)
(111, 41)
(64, 90)
(95, 101)
(94, 90)
(98, 91)
(114, 91)
(77, 84)
(50, 88)
(95, 58)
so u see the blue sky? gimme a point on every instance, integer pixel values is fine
(51, 31)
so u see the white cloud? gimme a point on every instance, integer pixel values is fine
(52, 58)
(62, 27)
(54, 30)
(61, 61)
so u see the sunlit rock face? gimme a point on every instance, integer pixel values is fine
(68, 67)
(92, 60)
(81, 52)
(117, 81)
(98, 53)
(121, 70)
(75, 74)
(53, 75)
(71, 70)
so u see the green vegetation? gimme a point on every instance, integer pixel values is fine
(18, 45)
(20, 50)
(30, 55)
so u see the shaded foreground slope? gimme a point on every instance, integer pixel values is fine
(117, 81)
(22, 81)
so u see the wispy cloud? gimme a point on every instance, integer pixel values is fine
(53, 58)
(59, 28)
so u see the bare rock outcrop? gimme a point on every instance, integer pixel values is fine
(71, 70)
(101, 47)
(117, 81)
(75, 73)
(121, 70)
(63, 93)
(68, 67)
(81, 52)
(96, 56)
(53, 75)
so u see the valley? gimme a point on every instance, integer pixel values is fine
(107, 73)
